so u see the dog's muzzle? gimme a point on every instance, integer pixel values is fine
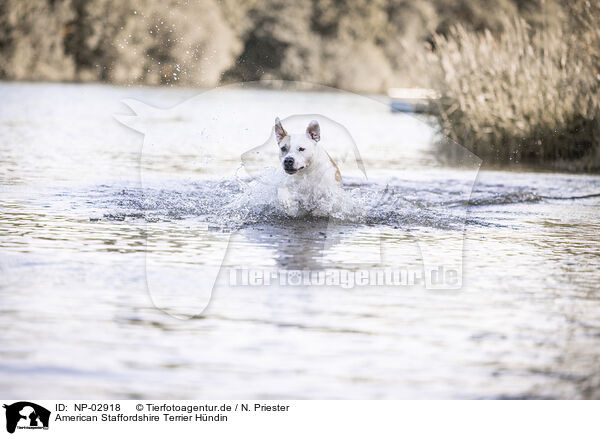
(288, 165)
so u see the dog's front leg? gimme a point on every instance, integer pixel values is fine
(289, 205)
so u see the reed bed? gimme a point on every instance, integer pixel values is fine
(524, 96)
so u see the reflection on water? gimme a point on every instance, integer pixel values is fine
(78, 232)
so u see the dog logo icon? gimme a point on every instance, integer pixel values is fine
(26, 415)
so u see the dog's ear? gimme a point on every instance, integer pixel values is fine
(280, 132)
(313, 131)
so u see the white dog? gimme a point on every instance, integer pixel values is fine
(314, 183)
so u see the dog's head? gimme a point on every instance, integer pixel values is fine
(296, 152)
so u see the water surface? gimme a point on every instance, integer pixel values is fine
(84, 213)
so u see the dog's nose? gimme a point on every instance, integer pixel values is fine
(288, 163)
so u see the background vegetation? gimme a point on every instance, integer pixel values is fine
(526, 96)
(360, 45)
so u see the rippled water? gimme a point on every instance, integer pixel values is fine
(96, 231)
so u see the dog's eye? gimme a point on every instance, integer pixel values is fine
(283, 148)
(301, 149)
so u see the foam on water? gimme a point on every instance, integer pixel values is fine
(231, 203)
(237, 202)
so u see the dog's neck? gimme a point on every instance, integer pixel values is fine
(320, 160)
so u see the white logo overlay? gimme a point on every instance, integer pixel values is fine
(222, 140)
